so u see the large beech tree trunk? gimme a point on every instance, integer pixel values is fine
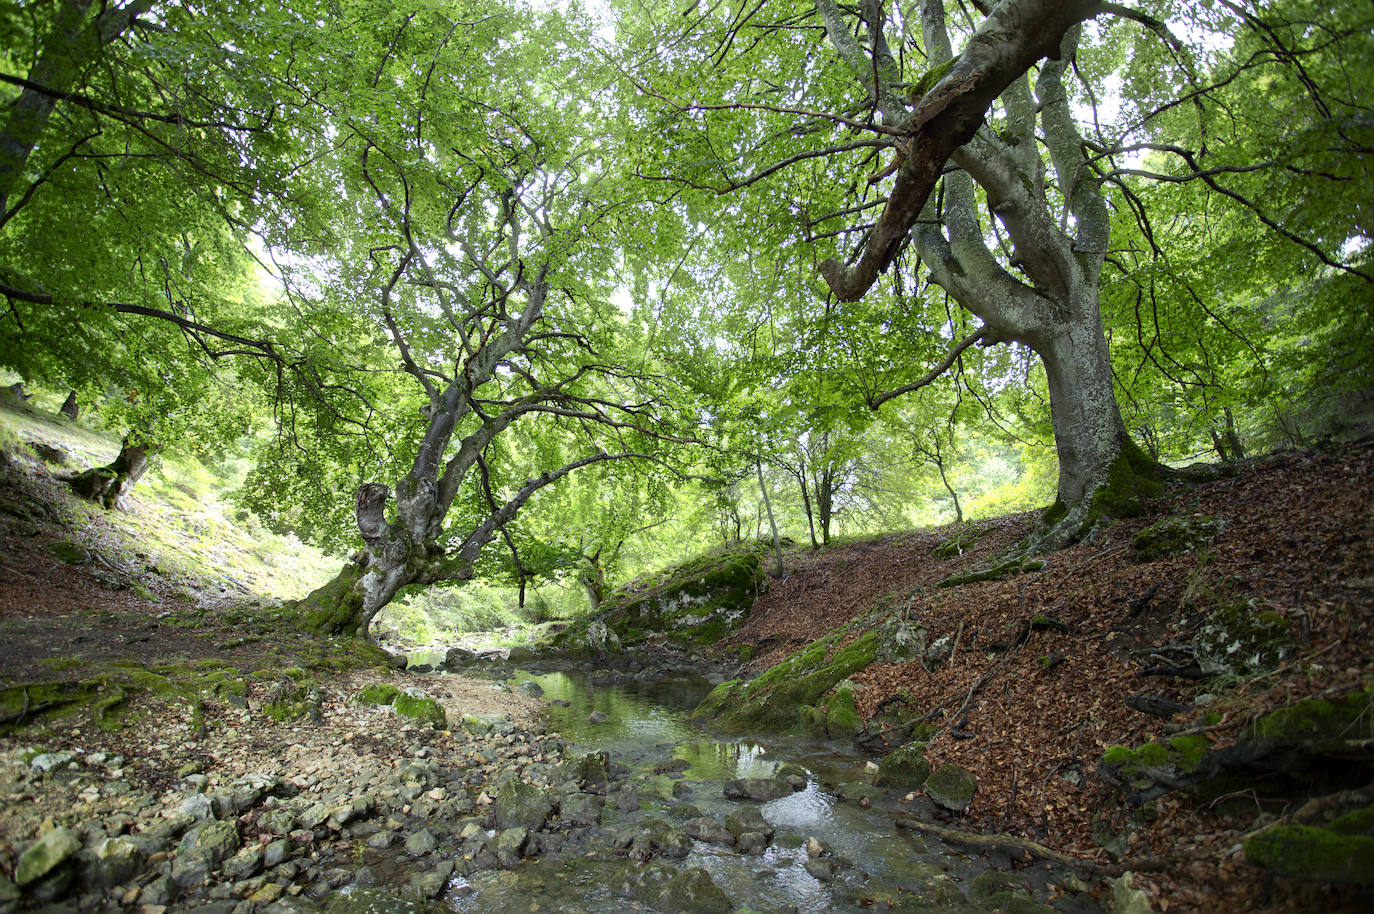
(110, 485)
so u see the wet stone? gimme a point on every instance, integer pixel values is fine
(705, 828)
(421, 842)
(45, 855)
(758, 789)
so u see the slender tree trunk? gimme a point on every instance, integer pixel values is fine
(806, 503)
(110, 485)
(772, 523)
(940, 465)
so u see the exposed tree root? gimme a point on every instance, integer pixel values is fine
(1025, 845)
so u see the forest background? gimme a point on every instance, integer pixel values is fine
(533, 298)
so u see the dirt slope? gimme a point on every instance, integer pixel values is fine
(1033, 721)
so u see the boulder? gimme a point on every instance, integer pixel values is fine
(113, 861)
(758, 789)
(905, 766)
(774, 701)
(1175, 536)
(1240, 639)
(45, 855)
(952, 787)
(689, 606)
(520, 805)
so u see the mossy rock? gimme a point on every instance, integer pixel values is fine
(689, 606)
(905, 766)
(959, 543)
(1175, 536)
(836, 717)
(952, 787)
(1159, 761)
(426, 710)
(70, 552)
(1314, 854)
(1323, 724)
(377, 693)
(774, 700)
(1240, 639)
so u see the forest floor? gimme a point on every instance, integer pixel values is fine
(1033, 721)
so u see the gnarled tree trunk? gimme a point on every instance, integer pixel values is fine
(110, 485)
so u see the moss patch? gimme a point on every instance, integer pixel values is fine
(426, 710)
(1175, 536)
(378, 693)
(774, 700)
(1314, 854)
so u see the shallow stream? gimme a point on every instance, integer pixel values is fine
(647, 727)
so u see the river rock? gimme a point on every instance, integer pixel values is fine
(752, 842)
(521, 805)
(45, 855)
(204, 848)
(432, 883)
(277, 853)
(705, 828)
(50, 761)
(759, 789)
(579, 810)
(113, 861)
(905, 766)
(693, 892)
(531, 688)
(421, 842)
(823, 868)
(952, 787)
(247, 862)
(748, 819)
(510, 846)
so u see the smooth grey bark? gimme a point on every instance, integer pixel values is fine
(72, 44)
(1015, 35)
(772, 522)
(1050, 303)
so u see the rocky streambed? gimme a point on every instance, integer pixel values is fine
(609, 801)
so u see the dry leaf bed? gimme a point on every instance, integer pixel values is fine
(1298, 541)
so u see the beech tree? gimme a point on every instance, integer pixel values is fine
(981, 168)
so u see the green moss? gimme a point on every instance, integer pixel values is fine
(1005, 568)
(1182, 752)
(334, 608)
(378, 693)
(1355, 822)
(774, 700)
(905, 766)
(1314, 854)
(1189, 750)
(422, 709)
(1132, 478)
(1320, 720)
(841, 717)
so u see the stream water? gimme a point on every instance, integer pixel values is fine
(647, 726)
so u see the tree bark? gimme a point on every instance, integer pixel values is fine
(109, 486)
(70, 45)
(772, 523)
